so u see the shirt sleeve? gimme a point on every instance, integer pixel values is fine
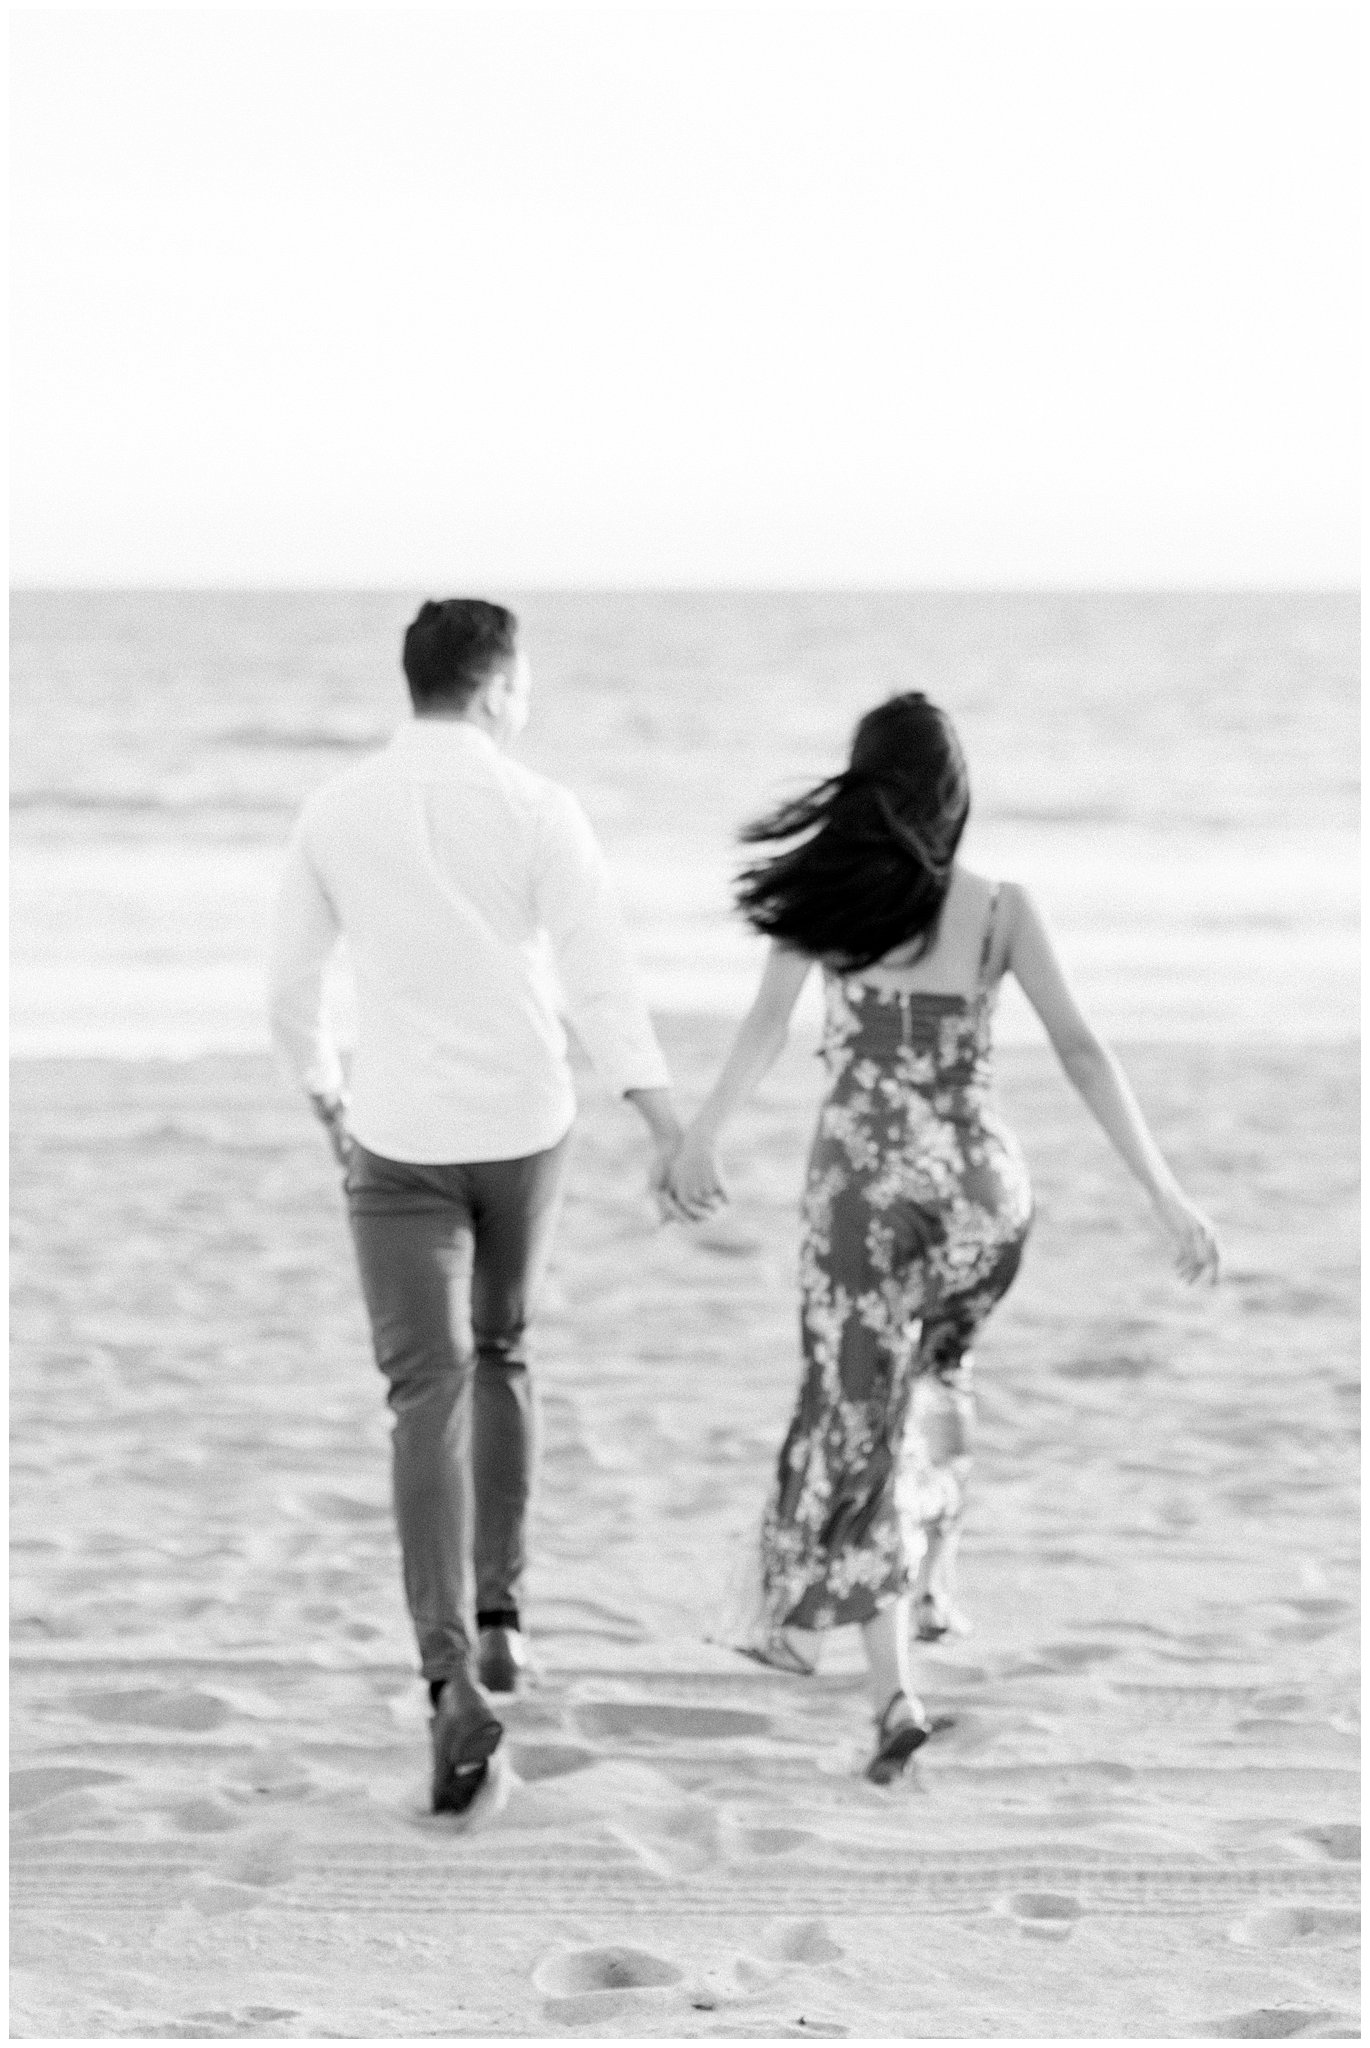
(575, 903)
(304, 932)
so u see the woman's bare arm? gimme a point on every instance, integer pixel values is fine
(1095, 1072)
(760, 1040)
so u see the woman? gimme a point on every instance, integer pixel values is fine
(917, 1202)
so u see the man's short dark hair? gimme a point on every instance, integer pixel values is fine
(453, 647)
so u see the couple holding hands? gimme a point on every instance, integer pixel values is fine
(476, 909)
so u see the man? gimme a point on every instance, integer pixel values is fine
(448, 869)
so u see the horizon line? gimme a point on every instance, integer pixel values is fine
(1122, 588)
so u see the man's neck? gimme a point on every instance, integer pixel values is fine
(466, 719)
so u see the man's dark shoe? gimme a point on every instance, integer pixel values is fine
(502, 1660)
(465, 1737)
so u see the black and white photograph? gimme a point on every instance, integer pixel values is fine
(684, 997)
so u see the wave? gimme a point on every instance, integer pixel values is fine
(121, 803)
(1156, 815)
(304, 738)
(1060, 814)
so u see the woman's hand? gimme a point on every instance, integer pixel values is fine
(1192, 1237)
(693, 1181)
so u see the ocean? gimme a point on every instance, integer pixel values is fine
(1174, 774)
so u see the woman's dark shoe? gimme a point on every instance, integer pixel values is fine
(465, 1737)
(897, 1736)
(934, 1618)
(502, 1660)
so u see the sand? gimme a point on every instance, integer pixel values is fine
(1142, 1823)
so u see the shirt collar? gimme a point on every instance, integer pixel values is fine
(444, 735)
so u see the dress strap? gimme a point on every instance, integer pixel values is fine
(987, 947)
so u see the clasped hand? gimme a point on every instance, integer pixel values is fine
(685, 1182)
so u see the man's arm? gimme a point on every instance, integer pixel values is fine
(576, 905)
(304, 933)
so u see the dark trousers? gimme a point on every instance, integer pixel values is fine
(449, 1259)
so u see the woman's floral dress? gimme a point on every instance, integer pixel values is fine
(916, 1208)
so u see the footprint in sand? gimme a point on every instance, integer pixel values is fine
(1047, 1916)
(634, 1718)
(1279, 2023)
(576, 1971)
(677, 1842)
(344, 1507)
(50, 1781)
(748, 1980)
(1278, 1926)
(808, 1942)
(589, 1617)
(1338, 1839)
(1322, 1608)
(1109, 1365)
(581, 1986)
(1079, 1656)
(69, 1813)
(274, 1773)
(214, 1896)
(261, 1860)
(152, 1708)
(964, 1734)
(255, 2022)
(535, 1761)
(800, 2029)
(205, 1817)
(725, 1243)
(238, 1883)
(773, 1841)
(1302, 1631)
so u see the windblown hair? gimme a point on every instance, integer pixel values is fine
(453, 647)
(875, 847)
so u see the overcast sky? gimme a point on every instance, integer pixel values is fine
(514, 296)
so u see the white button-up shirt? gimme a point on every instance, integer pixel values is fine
(463, 885)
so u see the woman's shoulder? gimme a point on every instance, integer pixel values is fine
(996, 904)
(991, 888)
(982, 889)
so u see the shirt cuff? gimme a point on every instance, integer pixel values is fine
(624, 1062)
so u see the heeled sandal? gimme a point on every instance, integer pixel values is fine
(778, 1653)
(894, 1746)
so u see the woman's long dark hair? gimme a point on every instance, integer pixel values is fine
(876, 843)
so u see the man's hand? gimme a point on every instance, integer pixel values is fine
(657, 1110)
(659, 1179)
(331, 1110)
